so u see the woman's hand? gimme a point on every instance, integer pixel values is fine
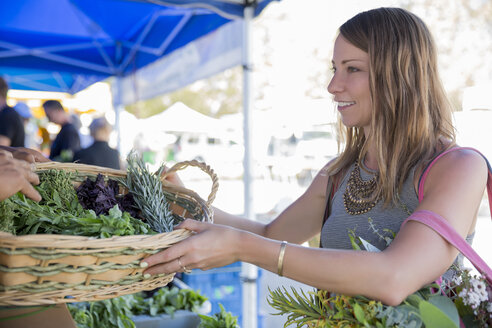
(17, 175)
(212, 246)
(171, 177)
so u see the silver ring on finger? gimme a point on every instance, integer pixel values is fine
(185, 270)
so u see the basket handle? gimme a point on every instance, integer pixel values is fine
(205, 168)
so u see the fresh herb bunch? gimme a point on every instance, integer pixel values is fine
(118, 312)
(7, 216)
(111, 313)
(322, 309)
(56, 189)
(33, 218)
(222, 319)
(59, 212)
(169, 300)
(101, 196)
(148, 194)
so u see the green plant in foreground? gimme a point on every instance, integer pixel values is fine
(427, 307)
(111, 313)
(118, 312)
(221, 319)
(168, 301)
(322, 309)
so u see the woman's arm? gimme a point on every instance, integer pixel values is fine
(454, 189)
(417, 256)
(299, 222)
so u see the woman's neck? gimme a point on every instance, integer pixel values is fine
(370, 159)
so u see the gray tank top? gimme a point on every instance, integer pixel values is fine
(372, 226)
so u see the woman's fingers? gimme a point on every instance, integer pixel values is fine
(172, 177)
(166, 256)
(193, 225)
(177, 265)
(211, 246)
(164, 259)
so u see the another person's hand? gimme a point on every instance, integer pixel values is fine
(17, 175)
(212, 246)
(26, 154)
(29, 155)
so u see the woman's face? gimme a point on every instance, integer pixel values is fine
(350, 84)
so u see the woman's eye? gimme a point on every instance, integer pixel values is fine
(352, 69)
(333, 69)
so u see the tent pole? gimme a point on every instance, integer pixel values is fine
(249, 272)
(117, 105)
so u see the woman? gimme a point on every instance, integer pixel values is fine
(396, 120)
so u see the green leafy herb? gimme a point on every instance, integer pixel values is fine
(167, 301)
(56, 189)
(59, 212)
(33, 218)
(7, 216)
(146, 188)
(112, 313)
(322, 309)
(117, 312)
(221, 319)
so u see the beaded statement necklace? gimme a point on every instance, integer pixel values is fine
(357, 196)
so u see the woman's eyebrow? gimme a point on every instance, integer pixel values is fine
(347, 61)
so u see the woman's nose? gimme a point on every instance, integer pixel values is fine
(335, 85)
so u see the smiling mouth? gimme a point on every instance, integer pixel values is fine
(345, 104)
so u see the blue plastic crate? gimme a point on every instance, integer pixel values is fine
(221, 286)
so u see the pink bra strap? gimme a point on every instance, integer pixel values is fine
(441, 226)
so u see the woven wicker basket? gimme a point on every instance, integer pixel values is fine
(48, 269)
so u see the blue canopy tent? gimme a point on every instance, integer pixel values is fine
(67, 45)
(81, 41)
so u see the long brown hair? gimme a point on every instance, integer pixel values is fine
(411, 113)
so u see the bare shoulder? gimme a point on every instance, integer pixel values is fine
(460, 162)
(320, 182)
(455, 186)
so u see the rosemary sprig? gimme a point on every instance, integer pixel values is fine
(146, 188)
(302, 309)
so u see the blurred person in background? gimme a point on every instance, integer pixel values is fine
(11, 127)
(85, 140)
(99, 153)
(67, 141)
(30, 128)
